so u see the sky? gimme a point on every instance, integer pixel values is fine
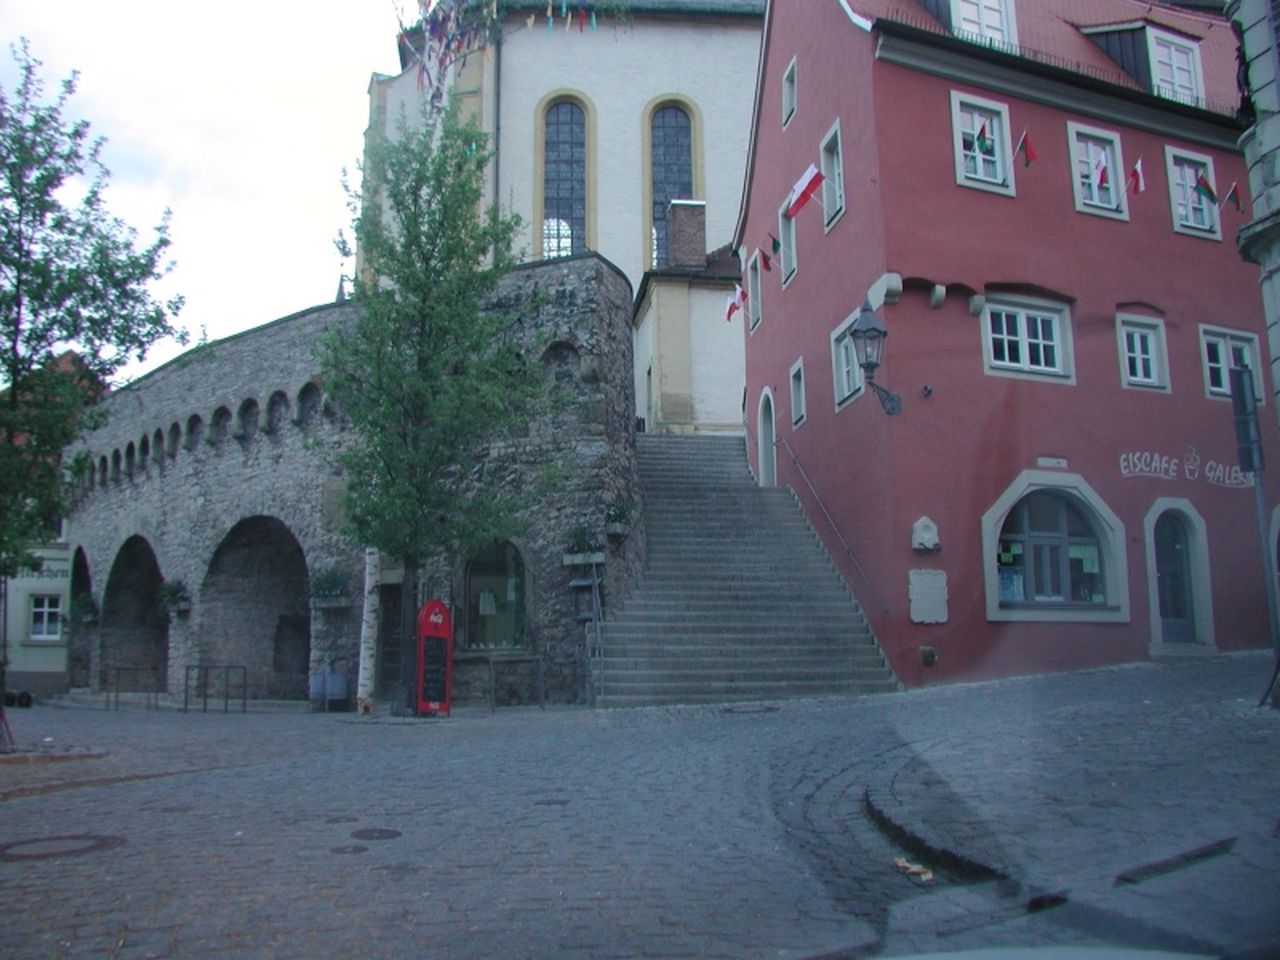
(239, 117)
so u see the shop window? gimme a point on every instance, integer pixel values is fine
(496, 598)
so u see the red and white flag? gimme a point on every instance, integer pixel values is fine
(805, 188)
(1137, 182)
(1100, 176)
(737, 300)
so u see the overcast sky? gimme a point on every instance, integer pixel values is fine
(239, 116)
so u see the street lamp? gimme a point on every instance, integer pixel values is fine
(868, 335)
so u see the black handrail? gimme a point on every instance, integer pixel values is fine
(226, 669)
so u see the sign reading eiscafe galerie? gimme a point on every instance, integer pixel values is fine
(1149, 463)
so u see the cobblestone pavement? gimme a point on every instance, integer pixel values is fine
(1135, 806)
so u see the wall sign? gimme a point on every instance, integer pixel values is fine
(435, 658)
(1151, 463)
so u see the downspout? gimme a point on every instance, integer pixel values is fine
(497, 118)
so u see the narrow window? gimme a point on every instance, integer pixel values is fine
(671, 170)
(1143, 357)
(797, 393)
(564, 180)
(1193, 194)
(832, 175)
(845, 373)
(753, 291)
(1099, 181)
(787, 238)
(980, 139)
(789, 92)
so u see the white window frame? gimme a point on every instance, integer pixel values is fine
(1086, 143)
(1179, 164)
(787, 263)
(1028, 336)
(1238, 345)
(753, 291)
(1191, 89)
(44, 610)
(1151, 329)
(831, 159)
(998, 31)
(997, 114)
(796, 381)
(846, 375)
(789, 93)
(1112, 546)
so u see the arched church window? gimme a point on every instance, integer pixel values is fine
(564, 180)
(671, 170)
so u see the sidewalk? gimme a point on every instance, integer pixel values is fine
(1146, 794)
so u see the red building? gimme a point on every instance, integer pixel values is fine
(1036, 198)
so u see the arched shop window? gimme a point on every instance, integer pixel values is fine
(1049, 553)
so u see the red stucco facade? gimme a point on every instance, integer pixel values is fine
(943, 260)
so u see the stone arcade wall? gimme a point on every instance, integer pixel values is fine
(224, 463)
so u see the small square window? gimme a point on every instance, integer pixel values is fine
(986, 21)
(1223, 349)
(46, 618)
(797, 393)
(1098, 181)
(1144, 362)
(1028, 338)
(980, 140)
(789, 92)
(832, 176)
(1193, 193)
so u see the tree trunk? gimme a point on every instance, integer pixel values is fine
(366, 679)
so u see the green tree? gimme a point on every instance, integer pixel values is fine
(74, 300)
(428, 374)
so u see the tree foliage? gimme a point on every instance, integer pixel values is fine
(75, 303)
(426, 374)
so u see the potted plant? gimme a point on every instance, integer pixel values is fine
(330, 588)
(174, 597)
(617, 520)
(583, 548)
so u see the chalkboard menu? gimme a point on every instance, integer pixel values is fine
(435, 669)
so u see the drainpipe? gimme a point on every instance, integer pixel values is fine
(497, 115)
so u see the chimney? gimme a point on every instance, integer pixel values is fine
(687, 234)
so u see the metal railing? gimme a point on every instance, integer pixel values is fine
(156, 687)
(203, 671)
(834, 529)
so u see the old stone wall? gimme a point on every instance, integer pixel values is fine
(222, 465)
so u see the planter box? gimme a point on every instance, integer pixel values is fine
(616, 529)
(583, 559)
(330, 603)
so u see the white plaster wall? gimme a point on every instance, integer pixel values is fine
(621, 69)
(642, 350)
(54, 577)
(718, 357)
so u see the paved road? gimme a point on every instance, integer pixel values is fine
(674, 832)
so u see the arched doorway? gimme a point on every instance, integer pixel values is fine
(495, 597)
(766, 450)
(253, 608)
(135, 628)
(1173, 579)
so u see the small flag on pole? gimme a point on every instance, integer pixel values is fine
(1233, 196)
(1136, 181)
(983, 142)
(804, 189)
(766, 261)
(1205, 189)
(775, 245)
(1100, 175)
(1026, 149)
(736, 301)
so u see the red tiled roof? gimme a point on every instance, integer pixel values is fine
(1050, 31)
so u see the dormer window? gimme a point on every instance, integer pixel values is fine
(986, 21)
(1175, 67)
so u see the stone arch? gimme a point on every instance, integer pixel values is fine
(195, 432)
(562, 361)
(277, 412)
(115, 466)
(310, 402)
(130, 460)
(157, 447)
(219, 426)
(102, 470)
(766, 437)
(134, 629)
(144, 453)
(83, 621)
(254, 610)
(247, 418)
(175, 440)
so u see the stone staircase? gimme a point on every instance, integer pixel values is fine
(739, 600)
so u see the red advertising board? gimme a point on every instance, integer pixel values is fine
(435, 658)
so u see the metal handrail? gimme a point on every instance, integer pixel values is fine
(153, 695)
(836, 530)
(226, 670)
